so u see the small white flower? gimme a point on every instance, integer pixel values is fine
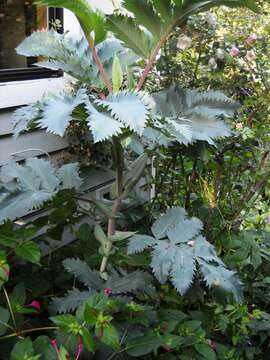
(220, 54)
(212, 63)
(250, 56)
(184, 42)
(211, 20)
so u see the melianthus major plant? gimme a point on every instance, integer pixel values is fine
(116, 109)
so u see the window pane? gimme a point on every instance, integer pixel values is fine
(18, 19)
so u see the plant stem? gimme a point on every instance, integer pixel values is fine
(153, 56)
(102, 71)
(27, 332)
(117, 155)
(10, 308)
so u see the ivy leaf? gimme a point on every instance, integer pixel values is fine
(28, 251)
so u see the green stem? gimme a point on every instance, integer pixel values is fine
(17, 334)
(117, 155)
(10, 308)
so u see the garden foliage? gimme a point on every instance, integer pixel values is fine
(130, 94)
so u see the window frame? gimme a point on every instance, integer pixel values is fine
(34, 73)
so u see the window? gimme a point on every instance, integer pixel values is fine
(18, 19)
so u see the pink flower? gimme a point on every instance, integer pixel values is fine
(234, 51)
(108, 291)
(184, 42)
(251, 40)
(54, 343)
(80, 349)
(34, 304)
(268, 220)
(102, 96)
(250, 55)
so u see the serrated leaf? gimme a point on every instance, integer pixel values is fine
(102, 126)
(69, 176)
(133, 37)
(193, 115)
(145, 15)
(138, 243)
(167, 221)
(45, 172)
(217, 276)
(70, 302)
(162, 259)
(130, 108)
(183, 269)
(57, 112)
(128, 282)
(83, 273)
(184, 230)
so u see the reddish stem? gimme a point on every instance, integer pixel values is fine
(153, 56)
